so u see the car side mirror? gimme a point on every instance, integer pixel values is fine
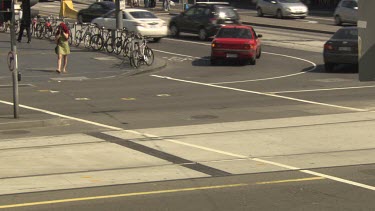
(260, 35)
(273, 2)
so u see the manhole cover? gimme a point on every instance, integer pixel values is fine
(204, 117)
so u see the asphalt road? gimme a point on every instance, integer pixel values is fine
(273, 136)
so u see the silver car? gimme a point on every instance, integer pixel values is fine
(282, 8)
(346, 12)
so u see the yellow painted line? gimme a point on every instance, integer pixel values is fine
(119, 195)
(129, 98)
(290, 180)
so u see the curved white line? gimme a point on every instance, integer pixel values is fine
(252, 80)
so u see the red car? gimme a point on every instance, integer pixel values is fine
(236, 42)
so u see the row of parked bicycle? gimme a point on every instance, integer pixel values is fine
(129, 44)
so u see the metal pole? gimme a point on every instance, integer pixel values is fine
(118, 15)
(15, 71)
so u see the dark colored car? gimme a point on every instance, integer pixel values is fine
(204, 19)
(342, 48)
(236, 43)
(95, 10)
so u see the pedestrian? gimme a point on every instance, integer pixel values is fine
(62, 49)
(166, 5)
(25, 24)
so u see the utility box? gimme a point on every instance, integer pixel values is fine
(366, 40)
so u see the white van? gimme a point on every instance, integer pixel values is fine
(346, 12)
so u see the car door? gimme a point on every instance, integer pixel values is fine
(353, 11)
(345, 11)
(109, 20)
(273, 6)
(129, 22)
(266, 6)
(186, 23)
(199, 19)
(256, 39)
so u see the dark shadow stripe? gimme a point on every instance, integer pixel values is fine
(162, 155)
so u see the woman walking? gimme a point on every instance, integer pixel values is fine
(62, 49)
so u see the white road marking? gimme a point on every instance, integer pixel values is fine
(319, 90)
(197, 146)
(244, 81)
(262, 93)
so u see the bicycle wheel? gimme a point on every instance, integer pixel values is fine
(86, 40)
(148, 56)
(135, 61)
(118, 45)
(126, 51)
(39, 31)
(96, 42)
(78, 38)
(109, 45)
(48, 32)
(70, 38)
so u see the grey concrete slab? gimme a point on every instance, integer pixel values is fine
(70, 158)
(95, 179)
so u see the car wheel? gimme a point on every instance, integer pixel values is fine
(202, 34)
(253, 61)
(279, 14)
(175, 32)
(338, 20)
(329, 67)
(213, 62)
(80, 19)
(260, 12)
(259, 53)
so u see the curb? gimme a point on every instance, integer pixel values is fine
(153, 68)
(21, 124)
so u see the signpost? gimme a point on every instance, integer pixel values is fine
(13, 65)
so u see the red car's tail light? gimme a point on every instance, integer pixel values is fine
(328, 47)
(213, 45)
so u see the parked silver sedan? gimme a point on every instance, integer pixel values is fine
(282, 8)
(346, 12)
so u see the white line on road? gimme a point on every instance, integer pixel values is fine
(262, 93)
(244, 81)
(318, 90)
(196, 146)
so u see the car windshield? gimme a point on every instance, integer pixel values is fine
(346, 34)
(289, 1)
(227, 12)
(234, 33)
(142, 14)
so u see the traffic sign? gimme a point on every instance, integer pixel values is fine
(10, 60)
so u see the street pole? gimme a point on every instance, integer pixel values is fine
(15, 71)
(118, 15)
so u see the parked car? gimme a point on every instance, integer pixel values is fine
(204, 19)
(95, 10)
(137, 20)
(282, 8)
(236, 43)
(342, 48)
(346, 12)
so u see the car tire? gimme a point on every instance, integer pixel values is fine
(80, 19)
(260, 12)
(259, 53)
(213, 62)
(279, 14)
(338, 20)
(202, 34)
(329, 67)
(174, 30)
(253, 61)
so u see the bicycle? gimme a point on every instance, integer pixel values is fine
(141, 53)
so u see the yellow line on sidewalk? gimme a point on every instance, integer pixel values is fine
(290, 180)
(152, 192)
(119, 195)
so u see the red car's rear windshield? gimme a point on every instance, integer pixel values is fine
(240, 33)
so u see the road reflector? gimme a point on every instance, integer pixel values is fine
(82, 99)
(128, 98)
(163, 95)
